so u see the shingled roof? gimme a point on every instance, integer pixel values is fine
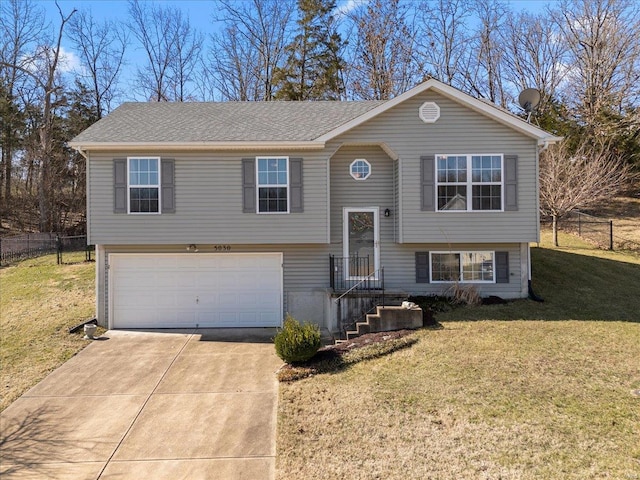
(156, 122)
(225, 125)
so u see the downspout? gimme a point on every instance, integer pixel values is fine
(532, 295)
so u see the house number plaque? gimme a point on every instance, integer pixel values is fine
(222, 248)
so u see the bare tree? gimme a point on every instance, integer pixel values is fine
(603, 39)
(42, 67)
(186, 59)
(444, 39)
(101, 48)
(587, 177)
(21, 28)
(172, 48)
(484, 76)
(534, 55)
(384, 62)
(251, 46)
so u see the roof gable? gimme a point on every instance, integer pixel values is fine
(485, 108)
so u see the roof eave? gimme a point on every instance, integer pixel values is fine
(194, 146)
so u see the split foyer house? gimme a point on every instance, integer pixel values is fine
(234, 214)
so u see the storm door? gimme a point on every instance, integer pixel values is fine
(361, 243)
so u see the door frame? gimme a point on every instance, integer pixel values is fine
(376, 238)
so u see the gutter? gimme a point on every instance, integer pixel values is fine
(196, 146)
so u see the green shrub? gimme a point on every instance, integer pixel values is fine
(296, 342)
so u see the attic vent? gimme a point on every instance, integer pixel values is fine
(429, 112)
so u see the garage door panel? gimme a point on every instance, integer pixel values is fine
(187, 290)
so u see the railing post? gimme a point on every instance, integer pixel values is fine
(382, 277)
(332, 282)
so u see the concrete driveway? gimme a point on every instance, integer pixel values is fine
(170, 404)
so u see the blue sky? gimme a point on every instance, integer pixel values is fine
(200, 15)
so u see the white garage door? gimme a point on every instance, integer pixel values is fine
(195, 290)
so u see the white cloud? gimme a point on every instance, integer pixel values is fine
(349, 6)
(68, 61)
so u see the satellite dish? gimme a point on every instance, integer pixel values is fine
(528, 100)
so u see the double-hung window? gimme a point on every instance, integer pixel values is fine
(469, 182)
(144, 185)
(273, 184)
(475, 267)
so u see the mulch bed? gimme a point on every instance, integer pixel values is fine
(331, 352)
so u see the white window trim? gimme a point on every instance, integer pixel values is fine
(461, 252)
(351, 172)
(258, 185)
(158, 186)
(469, 183)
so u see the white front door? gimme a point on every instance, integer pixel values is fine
(361, 240)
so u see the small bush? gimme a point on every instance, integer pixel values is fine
(297, 343)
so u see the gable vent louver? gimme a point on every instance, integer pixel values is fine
(429, 112)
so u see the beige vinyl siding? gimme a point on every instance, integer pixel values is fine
(208, 195)
(375, 191)
(458, 131)
(400, 269)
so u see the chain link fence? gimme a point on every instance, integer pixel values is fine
(31, 245)
(599, 231)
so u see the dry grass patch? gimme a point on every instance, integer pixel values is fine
(510, 400)
(39, 302)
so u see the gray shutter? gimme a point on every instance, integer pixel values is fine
(295, 185)
(511, 182)
(249, 185)
(502, 267)
(427, 183)
(167, 183)
(119, 185)
(422, 267)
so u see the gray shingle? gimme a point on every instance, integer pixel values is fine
(222, 122)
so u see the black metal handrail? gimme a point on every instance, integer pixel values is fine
(345, 272)
(362, 298)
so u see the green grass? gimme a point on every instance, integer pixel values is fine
(525, 390)
(39, 302)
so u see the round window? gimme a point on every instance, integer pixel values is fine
(360, 169)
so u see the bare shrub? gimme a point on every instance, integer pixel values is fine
(464, 294)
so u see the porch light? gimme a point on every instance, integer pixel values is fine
(387, 212)
(192, 248)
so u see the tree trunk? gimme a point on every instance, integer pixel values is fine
(555, 230)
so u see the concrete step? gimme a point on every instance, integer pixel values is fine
(363, 328)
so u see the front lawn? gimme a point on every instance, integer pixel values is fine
(39, 301)
(524, 391)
